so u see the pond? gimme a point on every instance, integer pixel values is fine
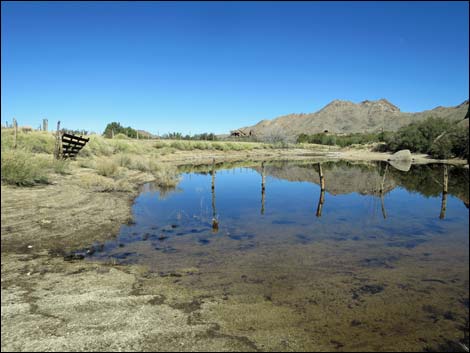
(352, 255)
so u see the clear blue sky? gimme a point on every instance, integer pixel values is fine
(215, 66)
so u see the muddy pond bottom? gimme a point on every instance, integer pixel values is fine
(324, 256)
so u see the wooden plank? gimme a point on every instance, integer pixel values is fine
(68, 145)
(74, 150)
(72, 146)
(75, 142)
(76, 137)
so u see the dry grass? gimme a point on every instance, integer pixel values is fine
(188, 145)
(103, 184)
(32, 161)
(107, 167)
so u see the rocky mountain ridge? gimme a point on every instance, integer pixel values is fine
(343, 117)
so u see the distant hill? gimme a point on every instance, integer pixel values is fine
(145, 134)
(348, 117)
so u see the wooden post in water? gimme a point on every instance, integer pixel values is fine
(215, 222)
(263, 188)
(444, 193)
(58, 144)
(322, 191)
(15, 132)
(381, 191)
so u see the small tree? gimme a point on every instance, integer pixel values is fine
(276, 135)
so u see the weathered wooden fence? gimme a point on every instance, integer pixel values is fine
(72, 144)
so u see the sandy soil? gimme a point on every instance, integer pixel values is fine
(49, 304)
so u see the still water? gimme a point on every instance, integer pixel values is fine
(378, 259)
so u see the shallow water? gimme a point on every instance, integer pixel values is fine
(353, 267)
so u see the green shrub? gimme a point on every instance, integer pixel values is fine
(461, 142)
(438, 137)
(340, 140)
(419, 136)
(121, 136)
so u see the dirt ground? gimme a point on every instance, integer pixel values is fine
(49, 304)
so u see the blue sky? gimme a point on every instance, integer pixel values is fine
(215, 66)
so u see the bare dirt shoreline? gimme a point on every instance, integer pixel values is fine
(49, 304)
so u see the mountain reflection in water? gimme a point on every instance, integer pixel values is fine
(361, 254)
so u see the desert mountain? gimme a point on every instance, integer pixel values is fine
(347, 117)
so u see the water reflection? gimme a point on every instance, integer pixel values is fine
(321, 200)
(215, 221)
(380, 235)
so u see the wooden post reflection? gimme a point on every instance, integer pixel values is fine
(215, 222)
(381, 192)
(263, 180)
(322, 191)
(444, 193)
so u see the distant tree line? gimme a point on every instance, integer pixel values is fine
(179, 136)
(115, 128)
(438, 137)
(341, 140)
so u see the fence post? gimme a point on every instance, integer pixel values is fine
(57, 142)
(444, 193)
(15, 132)
(263, 181)
(321, 200)
(215, 222)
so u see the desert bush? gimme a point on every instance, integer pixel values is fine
(124, 160)
(166, 175)
(121, 136)
(276, 136)
(86, 162)
(22, 168)
(160, 144)
(107, 167)
(97, 146)
(141, 163)
(60, 166)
